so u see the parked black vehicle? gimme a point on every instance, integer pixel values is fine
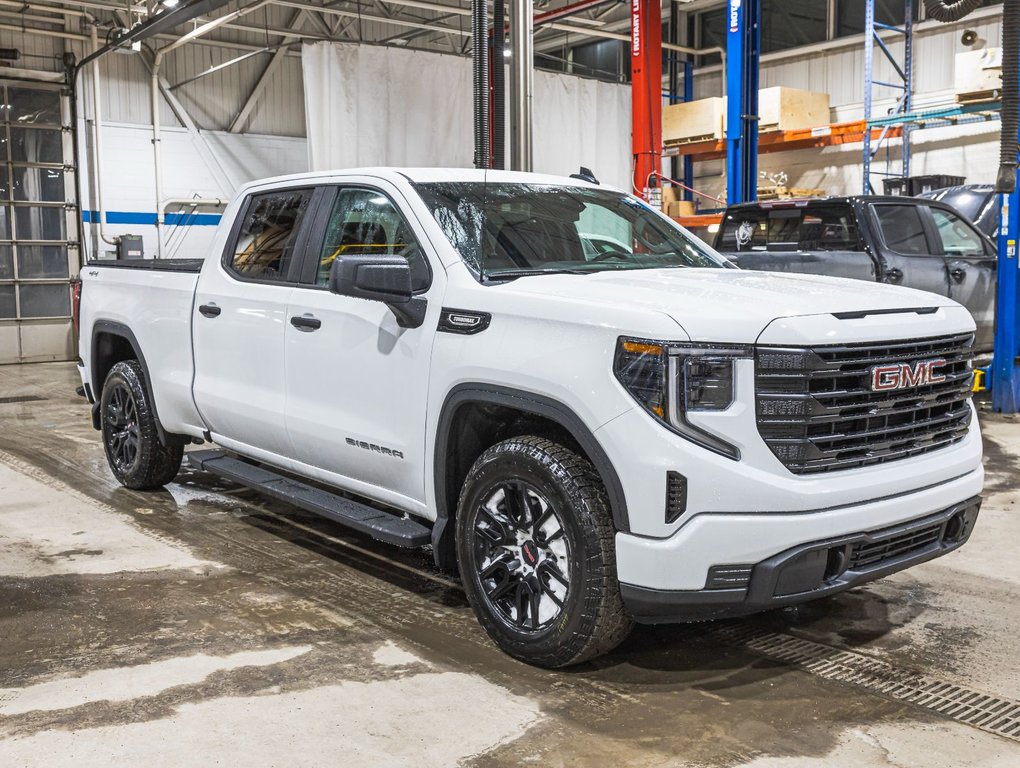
(918, 243)
(979, 204)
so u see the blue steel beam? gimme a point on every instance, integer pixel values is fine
(743, 46)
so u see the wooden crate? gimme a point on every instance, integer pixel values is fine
(693, 121)
(791, 109)
(978, 76)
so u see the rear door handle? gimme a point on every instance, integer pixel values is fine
(894, 275)
(958, 274)
(306, 323)
(209, 310)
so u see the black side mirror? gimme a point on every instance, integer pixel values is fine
(379, 278)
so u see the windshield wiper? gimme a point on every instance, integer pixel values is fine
(513, 274)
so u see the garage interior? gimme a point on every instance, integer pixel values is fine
(206, 624)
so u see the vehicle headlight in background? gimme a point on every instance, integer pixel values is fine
(673, 380)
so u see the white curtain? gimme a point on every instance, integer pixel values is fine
(371, 105)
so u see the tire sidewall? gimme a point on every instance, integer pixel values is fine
(548, 477)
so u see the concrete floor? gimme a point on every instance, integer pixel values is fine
(203, 625)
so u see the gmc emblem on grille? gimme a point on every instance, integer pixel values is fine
(885, 378)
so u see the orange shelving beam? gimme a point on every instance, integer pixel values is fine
(785, 141)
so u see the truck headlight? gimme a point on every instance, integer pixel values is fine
(674, 380)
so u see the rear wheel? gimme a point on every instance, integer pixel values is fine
(536, 552)
(133, 450)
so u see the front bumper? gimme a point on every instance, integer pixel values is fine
(808, 571)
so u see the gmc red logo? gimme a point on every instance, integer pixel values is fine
(885, 378)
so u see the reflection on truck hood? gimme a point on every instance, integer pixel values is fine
(728, 305)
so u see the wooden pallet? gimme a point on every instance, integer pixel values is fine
(979, 97)
(692, 140)
(779, 192)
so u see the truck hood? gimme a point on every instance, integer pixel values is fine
(728, 305)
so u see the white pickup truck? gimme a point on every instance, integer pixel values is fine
(588, 412)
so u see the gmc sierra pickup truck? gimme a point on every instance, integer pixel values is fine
(586, 411)
(906, 241)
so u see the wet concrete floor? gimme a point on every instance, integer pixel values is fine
(205, 625)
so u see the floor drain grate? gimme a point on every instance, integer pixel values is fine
(990, 713)
(20, 399)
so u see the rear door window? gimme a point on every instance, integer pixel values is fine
(263, 249)
(903, 229)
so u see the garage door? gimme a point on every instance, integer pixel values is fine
(37, 218)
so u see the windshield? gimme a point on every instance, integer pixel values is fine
(513, 230)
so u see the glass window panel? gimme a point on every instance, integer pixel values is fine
(42, 185)
(790, 23)
(958, 237)
(713, 32)
(850, 14)
(365, 223)
(5, 222)
(37, 223)
(5, 186)
(41, 261)
(29, 106)
(6, 262)
(903, 229)
(45, 300)
(265, 245)
(36, 145)
(7, 305)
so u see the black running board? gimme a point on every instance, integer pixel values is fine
(380, 525)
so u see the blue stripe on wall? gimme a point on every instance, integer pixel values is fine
(149, 219)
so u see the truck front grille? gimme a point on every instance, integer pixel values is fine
(817, 412)
(866, 554)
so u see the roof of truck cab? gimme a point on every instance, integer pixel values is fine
(844, 199)
(426, 175)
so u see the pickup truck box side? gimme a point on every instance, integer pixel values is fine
(917, 243)
(591, 436)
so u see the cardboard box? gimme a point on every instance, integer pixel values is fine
(692, 121)
(791, 109)
(678, 209)
(978, 76)
(671, 194)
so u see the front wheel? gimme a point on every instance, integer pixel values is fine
(133, 450)
(535, 543)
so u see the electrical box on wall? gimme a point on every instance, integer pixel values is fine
(130, 247)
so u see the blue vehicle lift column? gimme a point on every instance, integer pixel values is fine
(1005, 371)
(743, 44)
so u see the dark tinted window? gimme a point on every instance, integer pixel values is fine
(902, 228)
(850, 14)
(365, 223)
(789, 23)
(810, 228)
(265, 245)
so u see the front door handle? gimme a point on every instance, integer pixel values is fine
(958, 274)
(894, 275)
(209, 310)
(306, 323)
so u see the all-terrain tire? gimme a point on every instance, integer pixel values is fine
(536, 475)
(136, 456)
